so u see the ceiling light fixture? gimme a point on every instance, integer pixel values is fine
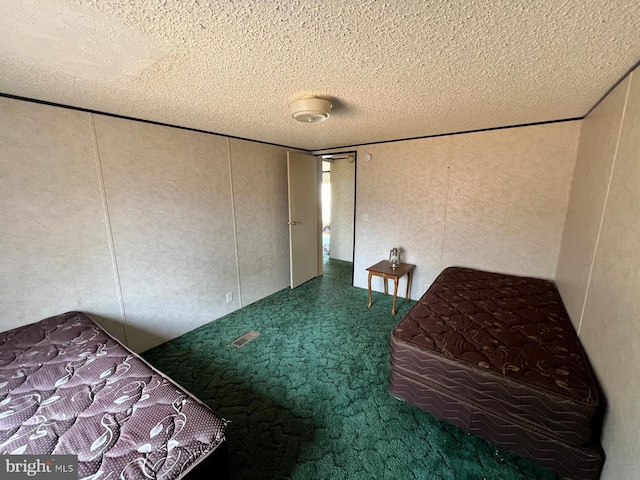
(310, 109)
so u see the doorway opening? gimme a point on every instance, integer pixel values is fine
(338, 206)
(325, 199)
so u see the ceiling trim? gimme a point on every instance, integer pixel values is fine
(561, 120)
(124, 117)
(629, 72)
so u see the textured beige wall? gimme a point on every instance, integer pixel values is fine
(343, 189)
(598, 143)
(401, 198)
(493, 200)
(169, 206)
(134, 223)
(260, 203)
(610, 320)
(55, 253)
(508, 196)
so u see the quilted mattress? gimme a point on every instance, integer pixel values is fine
(68, 387)
(497, 355)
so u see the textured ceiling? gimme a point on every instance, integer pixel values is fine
(393, 69)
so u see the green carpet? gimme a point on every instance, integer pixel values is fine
(309, 399)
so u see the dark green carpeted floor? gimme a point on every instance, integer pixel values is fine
(309, 399)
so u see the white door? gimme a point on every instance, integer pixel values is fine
(304, 220)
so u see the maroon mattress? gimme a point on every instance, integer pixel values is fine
(68, 387)
(497, 356)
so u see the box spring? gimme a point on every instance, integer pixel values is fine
(497, 356)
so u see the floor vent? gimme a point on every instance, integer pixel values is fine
(244, 339)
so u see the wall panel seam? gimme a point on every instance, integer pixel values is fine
(107, 219)
(446, 204)
(233, 219)
(604, 207)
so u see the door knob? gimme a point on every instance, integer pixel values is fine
(292, 223)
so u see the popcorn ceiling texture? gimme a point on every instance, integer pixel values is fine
(393, 69)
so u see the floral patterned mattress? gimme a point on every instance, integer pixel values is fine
(68, 387)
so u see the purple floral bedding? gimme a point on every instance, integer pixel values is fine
(68, 387)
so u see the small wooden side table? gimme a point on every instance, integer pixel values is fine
(385, 270)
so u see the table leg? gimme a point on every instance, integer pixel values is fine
(384, 280)
(395, 294)
(410, 274)
(370, 297)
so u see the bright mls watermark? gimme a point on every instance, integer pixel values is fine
(39, 467)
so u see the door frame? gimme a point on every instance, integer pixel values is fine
(334, 156)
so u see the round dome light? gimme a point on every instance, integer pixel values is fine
(310, 109)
